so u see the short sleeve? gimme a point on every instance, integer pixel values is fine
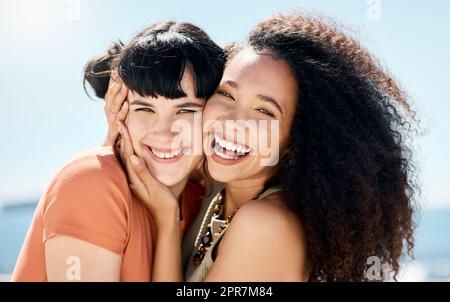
(89, 200)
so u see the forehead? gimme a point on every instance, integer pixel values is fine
(262, 73)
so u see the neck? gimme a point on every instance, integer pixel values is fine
(178, 188)
(240, 192)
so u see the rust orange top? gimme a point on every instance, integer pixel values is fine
(89, 199)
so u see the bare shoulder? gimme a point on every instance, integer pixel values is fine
(270, 216)
(267, 238)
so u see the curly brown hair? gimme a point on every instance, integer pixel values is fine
(348, 170)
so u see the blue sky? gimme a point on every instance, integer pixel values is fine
(46, 117)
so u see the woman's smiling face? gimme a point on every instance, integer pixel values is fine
(166, 133)
(247, 122)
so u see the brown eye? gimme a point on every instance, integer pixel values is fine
(186, 111)
(225, 94)
(144, 110)
(266, 112)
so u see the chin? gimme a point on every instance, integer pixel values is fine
(168, 180)
(219, 174)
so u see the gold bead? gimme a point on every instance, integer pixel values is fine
(217, 209)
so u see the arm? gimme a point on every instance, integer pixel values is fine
(167, 264)
(162, 204)
(71, 259)
(85, 227)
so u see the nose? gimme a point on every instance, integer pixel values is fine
(234, 114)
(163, 132)
(237, 121)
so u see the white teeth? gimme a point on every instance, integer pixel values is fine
(230, 146)
(217, 150)
(163, 155)
(222, 143)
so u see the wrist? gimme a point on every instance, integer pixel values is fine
(109, 140)
(168, 220)
(169, 229)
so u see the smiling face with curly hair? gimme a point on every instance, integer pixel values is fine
(255, 87)
(346, 168)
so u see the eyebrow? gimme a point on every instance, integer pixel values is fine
(142, 103)
(231, 83)
(262, 97)
(268, 99)
(183, 105)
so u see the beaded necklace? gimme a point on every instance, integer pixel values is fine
(210, 236)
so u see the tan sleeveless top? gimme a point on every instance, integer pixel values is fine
(192, 241)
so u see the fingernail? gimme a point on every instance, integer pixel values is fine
(134, 160)
(120, 128)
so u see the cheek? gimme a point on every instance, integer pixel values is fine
(209, 110)
(270, 142)
(135, 136)
(139, 122)
(190, 131)
(215, 107)
(215, 111)
(137, 128)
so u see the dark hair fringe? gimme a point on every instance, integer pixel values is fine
(154, 62)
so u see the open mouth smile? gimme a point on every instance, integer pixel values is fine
(227, 152)
(165, 155)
